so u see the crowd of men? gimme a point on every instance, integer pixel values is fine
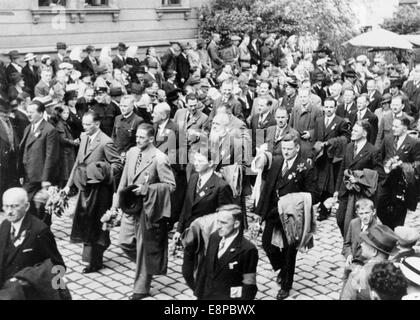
(183, 140)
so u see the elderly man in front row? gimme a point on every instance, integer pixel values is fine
(148, 176)
(25, 241)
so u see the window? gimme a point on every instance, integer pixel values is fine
(166, 3)
(96, 2)
(51, 3)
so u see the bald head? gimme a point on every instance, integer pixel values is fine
(15, 204)
(161, 113)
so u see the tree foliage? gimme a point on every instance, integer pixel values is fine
(406, 20)
(331, 20)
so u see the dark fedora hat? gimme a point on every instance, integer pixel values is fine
(130, 203)
(136, 88)
(173, 95)
(61, 45)
(252, 83)
(293, 82)
(350, 73)
(115, 92)
(381, 238)
(396, 82)
(122, 46)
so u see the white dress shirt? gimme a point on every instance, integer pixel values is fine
(400, 141)
(328, 120)
(289, 163)
(361, 114)
(36, 125)
(16, 226)
(161, 127)
(204, 178)
(359, 146)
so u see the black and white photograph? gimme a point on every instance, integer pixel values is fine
(215, 152)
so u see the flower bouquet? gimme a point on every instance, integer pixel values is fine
(57, 201)
(392, 164)
(255, 229)
(111, 219)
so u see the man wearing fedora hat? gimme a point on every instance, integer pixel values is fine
(30, 74)
(407, 239)
(59, 58)
(17, 85)
(149, 169)
(105, 109)
(14, 66)
(120, 59)
(377, 244)
(288, 101)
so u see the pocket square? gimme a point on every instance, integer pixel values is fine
(27, 250)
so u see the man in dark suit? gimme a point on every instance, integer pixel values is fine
(120, 59)
(106, 110)
(61, 54)
(276, 133)
(229, 100)
(349, 106)
(90, 63)
(363, 113)
(25, 241)
(280, 182)
(39, 155)
(206, 192)
(8, 149)
(251, 94)
(230, 263)
(94, 199)
(13, 66)
(43, 86)
(360, 154)
(30, 74)
(331, 133)
(254, 49)
(289, 98)
(125, 126)
(373, 95)
(183, 67)
(152, 75)
(398, 194)
(260, 122)
(412, 89)
(170, 56)
(169, 85)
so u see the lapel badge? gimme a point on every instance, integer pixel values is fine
(232, 250)
(36, 134)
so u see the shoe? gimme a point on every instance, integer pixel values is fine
(283, 294)
(322, 218)
(139, 296)
(278, 280)
(91, 269)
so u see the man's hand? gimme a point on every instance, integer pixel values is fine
(352, 179)
(306, 135)
(141, 190)
(175, 238)
(349, 260)
(21, 180)
(45, 184)
(66, 190)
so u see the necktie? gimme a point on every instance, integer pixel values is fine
(395, 145)
(33, 128)
(355, 151)
(364, 227)
(285, 169)
(87, 144)
(260, 122)
(278, 134)
(198, 185)
(359, 115)
(12, 233)
(327, 122)
(221, 246)
(138, 162)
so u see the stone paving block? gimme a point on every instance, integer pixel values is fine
(124, 289)
(93, 296)
(162, 296)
(84, 291)
(309, 292)
(321, 289)
(307, 275)
(104, 290)
(307, 283)
(115, 296)
(93, 285)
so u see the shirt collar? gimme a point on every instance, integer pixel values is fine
(17, 225)
(129, 116)
(363, 112)
(163, 125)
(291, 161)
(402, 138)
(205, 177)
(229, 240)
(93, 137)
(36, 125)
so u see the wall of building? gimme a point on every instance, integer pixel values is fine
(137, 23)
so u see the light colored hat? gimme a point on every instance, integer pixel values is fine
(65, 65)
(361, 58)
(410, 267)
(235, 38)
(45, 56)
(29, 56)
(321, 61)
(407, 236)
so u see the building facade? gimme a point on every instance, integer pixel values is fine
(37, 25)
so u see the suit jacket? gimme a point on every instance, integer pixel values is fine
(255, 53)
(168, 87)
(215, 193)
(295, 180)
(274, 146)
(343, 113)
(117, 63)
(413, 93)
(168, 142)
(373, 121)
(9, 71)
(213, 51)
(37, 244)
(301, 122)
(259, 137)
(39, 153)
(42, 89)
(55, 62)
(124, 132)
(385, 128)
(31, 78)
(235, 269)
(19, 122)
(168, 61)
(88, 66)
(408, 152)
(375, 101)
(337, 128)
(100, 149)
(368, 158)
(232, 103)
(182, 69)
(352, 241)
(196, 122)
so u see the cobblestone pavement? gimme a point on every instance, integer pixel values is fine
(317, 277)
